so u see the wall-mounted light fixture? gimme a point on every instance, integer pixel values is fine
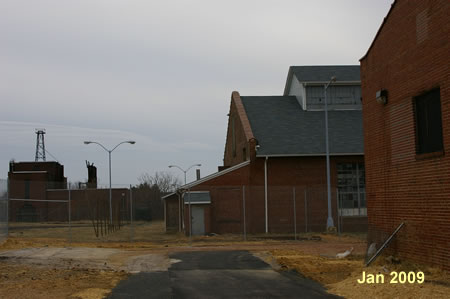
(381, 96)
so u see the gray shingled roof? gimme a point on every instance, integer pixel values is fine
(323, 73)
(283, 128)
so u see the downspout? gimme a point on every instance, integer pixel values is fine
(265, 195)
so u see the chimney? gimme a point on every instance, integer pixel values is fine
(92, 175)
(198, 174)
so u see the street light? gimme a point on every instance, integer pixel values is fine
(189, 195)
(176, 166)
(109, 154)
(330, 222)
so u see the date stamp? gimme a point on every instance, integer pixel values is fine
(395, 278)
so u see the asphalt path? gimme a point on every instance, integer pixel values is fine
(218, 274)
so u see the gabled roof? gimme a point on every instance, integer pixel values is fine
(282, 128)
(322, 74)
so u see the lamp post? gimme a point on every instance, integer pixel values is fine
(189, 196)
(185, 171)
(109, 154)
(330, 222)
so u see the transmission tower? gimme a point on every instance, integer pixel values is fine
(40, 145)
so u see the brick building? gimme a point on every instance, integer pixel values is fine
(406, 113)
(277, 143)
(30, 180)
(38, 191)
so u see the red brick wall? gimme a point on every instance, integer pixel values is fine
(226, 208)
(409, 56)
(303, 173)
(243, 134)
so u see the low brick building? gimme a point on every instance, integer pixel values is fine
(38, 193)
(275, 147)
(30, 180)
(406, 110)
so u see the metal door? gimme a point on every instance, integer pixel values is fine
(198, 220)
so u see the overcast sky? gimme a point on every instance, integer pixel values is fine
(157, 72)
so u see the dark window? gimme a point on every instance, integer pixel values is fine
(428, 122)
(244, 154)
(27, 189)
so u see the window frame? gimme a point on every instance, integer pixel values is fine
(424, 148)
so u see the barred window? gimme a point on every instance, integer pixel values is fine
(428, 122)
(351, 189)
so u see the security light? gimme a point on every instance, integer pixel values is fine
(381, 96)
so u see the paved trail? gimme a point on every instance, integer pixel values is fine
(218, 274)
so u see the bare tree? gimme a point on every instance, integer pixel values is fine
(164, 181)
(76, 185)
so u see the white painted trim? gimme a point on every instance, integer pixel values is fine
(315, 83)
(309, 155)
(30, 171)
(215, 175)
(168, 195)
(39, 200)
(265, 196)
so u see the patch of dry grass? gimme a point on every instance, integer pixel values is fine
(24, 281)
(341, 276)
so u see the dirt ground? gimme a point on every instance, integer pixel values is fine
(23, 281)
(312, 255)
(340, 276)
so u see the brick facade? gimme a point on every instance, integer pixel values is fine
(306, 174)
(409, 56)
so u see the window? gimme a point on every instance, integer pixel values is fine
(351, 189)
(428, 122)
(27, 189)
(244, 154)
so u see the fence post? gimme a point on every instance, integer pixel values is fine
(338, 212)
(131, 214)
(243, 204)
(295, 214)
(7, 207)
(190, 217)
(70, 218)
(306, 212)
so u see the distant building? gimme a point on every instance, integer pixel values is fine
(31, 180)
(275, 143)
(406, 111)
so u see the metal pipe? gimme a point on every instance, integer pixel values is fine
(110, 190)
(131, 214)
(109, 156)
(330, 218)
(70, 218)
(243, 204)
(295, 214)
(265, 196)
(190, 217)
(306, 212)
(7, 208)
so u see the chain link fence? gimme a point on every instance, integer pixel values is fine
(3, 209)
(288, 210)
(41, 209)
